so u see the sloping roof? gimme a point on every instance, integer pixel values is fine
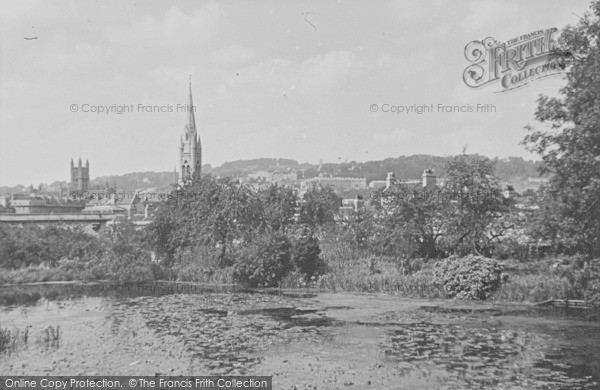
(104, 209)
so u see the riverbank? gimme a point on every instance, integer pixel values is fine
(527, 282)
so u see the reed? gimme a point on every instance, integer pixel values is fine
(10, 339)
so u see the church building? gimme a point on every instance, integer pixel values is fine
(190, 149)
(80, 176)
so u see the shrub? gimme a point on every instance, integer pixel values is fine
(264, 261)
(33, 245)
(470, 277)
(201, 264)
(588, 280)
(130, 265)
(337, 250)
(306, 257)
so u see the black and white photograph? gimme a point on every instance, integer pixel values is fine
(299, 195)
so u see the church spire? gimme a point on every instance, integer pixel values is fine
(191, 123)
(190, 149)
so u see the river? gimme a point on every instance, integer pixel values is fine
(305, 340)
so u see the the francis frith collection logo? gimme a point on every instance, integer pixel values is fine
(514, 63)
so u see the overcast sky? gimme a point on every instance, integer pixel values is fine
(290, 79)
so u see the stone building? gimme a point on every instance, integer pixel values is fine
(44, 204)
(80, 176)
(190, 148)
(337, 183)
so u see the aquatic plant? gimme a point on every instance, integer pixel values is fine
(11, 338)
(50, 335)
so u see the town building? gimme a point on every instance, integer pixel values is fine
(377, 184)
(44, 204)
(337, 183)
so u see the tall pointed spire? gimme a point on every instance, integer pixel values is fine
(191, 123)
(190, 148)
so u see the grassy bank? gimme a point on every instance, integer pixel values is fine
(532, 282)
(529, 282)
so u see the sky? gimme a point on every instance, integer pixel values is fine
(270, 78)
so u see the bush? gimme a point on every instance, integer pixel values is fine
(470, 277)
(33, 245)
(264, 261)
(131, 264)
(201, 264)
(306, 257)
(587, 282)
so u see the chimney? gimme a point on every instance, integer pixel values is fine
(390, 180)
(358, 203)
(429, 178)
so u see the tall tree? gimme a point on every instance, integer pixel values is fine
(319, 206)
(411, 221)
(570, 145)
(476, 202)
(208, 212)
(279, 205)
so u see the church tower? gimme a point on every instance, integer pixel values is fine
(80, 176)
(190, 148)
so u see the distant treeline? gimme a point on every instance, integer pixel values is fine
(405, 167)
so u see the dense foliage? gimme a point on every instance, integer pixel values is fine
(248, 228)
(66, 253)
(570, 209)
(264, 261)
(591, 291)
(33, 245)
(470, 277)
(306, 256)
(464, 216)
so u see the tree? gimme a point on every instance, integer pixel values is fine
(570, 148)
(476, 202)
(125, 257)
(208, 212)
(264, 261)
(161, 233)
(319, 206)
(306, 256)
(279, 205)
(410, 221)
(359, 229)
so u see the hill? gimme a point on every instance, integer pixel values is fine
(512, 169)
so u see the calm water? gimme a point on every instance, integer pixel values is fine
(228, 331)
